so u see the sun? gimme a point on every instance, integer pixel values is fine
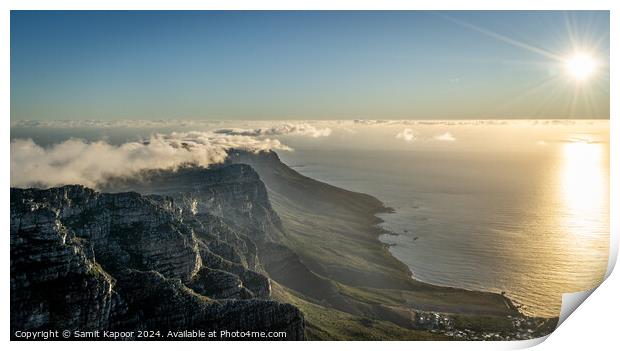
(580, 66)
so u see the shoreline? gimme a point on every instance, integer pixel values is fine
(342, 265)
(520, 319)
(516, 305)
(388, 210)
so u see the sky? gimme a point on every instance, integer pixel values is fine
(269, 65)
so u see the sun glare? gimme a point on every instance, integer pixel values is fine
(582, 185)
(581, 66)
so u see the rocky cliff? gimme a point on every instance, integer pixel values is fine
(233, 193)
(86, 260)
(247, 245)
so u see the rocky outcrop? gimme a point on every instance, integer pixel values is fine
(218, 284)
(53, 282)
(86, 260)
(233, 193)
(184, 309)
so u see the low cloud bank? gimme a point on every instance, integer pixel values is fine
(447, 136)
(283, 127)
(76, 161)
(121, 123)
(371, 122)
(410, 135)
(407, 135)
(303, 129)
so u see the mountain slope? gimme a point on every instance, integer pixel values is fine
(84, 260)
(333, 234)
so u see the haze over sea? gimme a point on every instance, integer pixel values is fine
(520, 207)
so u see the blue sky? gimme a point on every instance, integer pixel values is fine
(305, 65)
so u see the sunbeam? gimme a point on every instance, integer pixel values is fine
(577, 69)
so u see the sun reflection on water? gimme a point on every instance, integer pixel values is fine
(583, 187)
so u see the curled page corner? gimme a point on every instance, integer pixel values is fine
(570, 302)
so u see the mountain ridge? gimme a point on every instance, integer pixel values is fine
(84, 260)
(262, 231)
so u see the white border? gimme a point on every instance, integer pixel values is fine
(595, 321)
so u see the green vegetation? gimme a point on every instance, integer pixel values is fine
(324, 323)
(344, 279)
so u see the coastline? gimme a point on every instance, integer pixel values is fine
(513, 304)
(548, 323)
(342, 265)
(397, 236)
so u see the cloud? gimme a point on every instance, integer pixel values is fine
(368, 122)
(410, 135)
(303, 129)
(447, 136)
(281, 126)
(134, 123)
(76, 161)
(407, 135)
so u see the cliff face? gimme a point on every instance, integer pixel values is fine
(307, 192)
(85, 260)
(233, 193)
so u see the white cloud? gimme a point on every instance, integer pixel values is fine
(368, 122)
(77, 161)
(134, 123)
(280, 126)
(407, 135)
(303, 129)
(410, 135)
(447, 136)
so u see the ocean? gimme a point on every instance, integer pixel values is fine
(526, 212)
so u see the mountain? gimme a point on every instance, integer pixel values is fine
(249, 244)
(85, 260)
(334, 234)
